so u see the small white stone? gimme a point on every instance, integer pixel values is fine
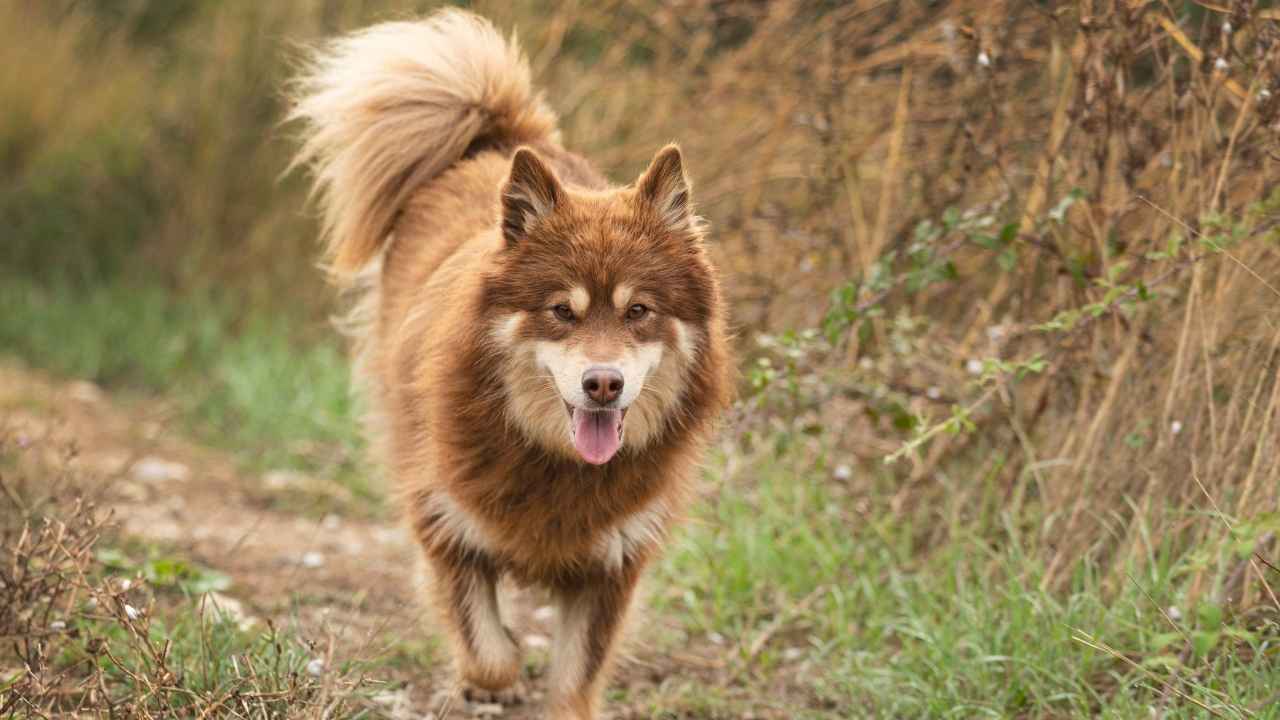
(284, 479)
(933, 393)
(132, 612)
(1175, 427)
(57, 626)
(312, 560)
(1226, 28)
(315, 668)
(154, 469)
(331, 522)
(126, 584)
(1174, 613)
(537, 642)
(1264, 94)
(85, 391)
(1220, 65)
(983, 59)
(842, 472)
(974, 367)
(214, 605)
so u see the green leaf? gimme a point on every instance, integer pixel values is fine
(1160, 641)
(1008, 259)
(1210, 616)
(1168, 662)
(1059, 211)
(1204, 642)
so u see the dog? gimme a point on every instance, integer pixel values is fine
(545, 353)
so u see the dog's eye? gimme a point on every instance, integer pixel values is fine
(563, 312)
(637, 311)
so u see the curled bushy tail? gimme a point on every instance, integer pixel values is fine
(389, 107)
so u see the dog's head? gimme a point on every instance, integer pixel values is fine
(601, 304)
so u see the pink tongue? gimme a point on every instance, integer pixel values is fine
(595, 434)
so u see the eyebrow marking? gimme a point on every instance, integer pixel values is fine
(622, 295)
(579, 300)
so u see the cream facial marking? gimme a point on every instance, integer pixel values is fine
(685, 341)
(579, 300)
(567, 365)
(505, 329)
(622, 296)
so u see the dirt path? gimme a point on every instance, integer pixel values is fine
(341, 577)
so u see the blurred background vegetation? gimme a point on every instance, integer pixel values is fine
(1025, 250)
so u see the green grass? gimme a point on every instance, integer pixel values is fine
(964, 629)
(242, 380)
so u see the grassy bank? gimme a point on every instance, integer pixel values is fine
(261, 381)
(814, 590)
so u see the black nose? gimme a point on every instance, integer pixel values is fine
(603, 385)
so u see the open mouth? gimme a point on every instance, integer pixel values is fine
(597, 434)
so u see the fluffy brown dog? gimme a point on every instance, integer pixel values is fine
(545, 352)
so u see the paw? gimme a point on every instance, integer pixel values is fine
(514, 694)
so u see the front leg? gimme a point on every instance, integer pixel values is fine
(465, 589)
(591, 617)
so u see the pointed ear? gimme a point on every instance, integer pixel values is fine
(665, 187)
(532, 192)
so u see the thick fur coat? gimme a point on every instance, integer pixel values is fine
(545, 352)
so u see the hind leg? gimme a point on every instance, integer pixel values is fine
(485, 652)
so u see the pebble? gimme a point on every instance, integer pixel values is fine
(312, 560)
(154, 469)
(85, 391)
(283, 479)
(215, 603)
